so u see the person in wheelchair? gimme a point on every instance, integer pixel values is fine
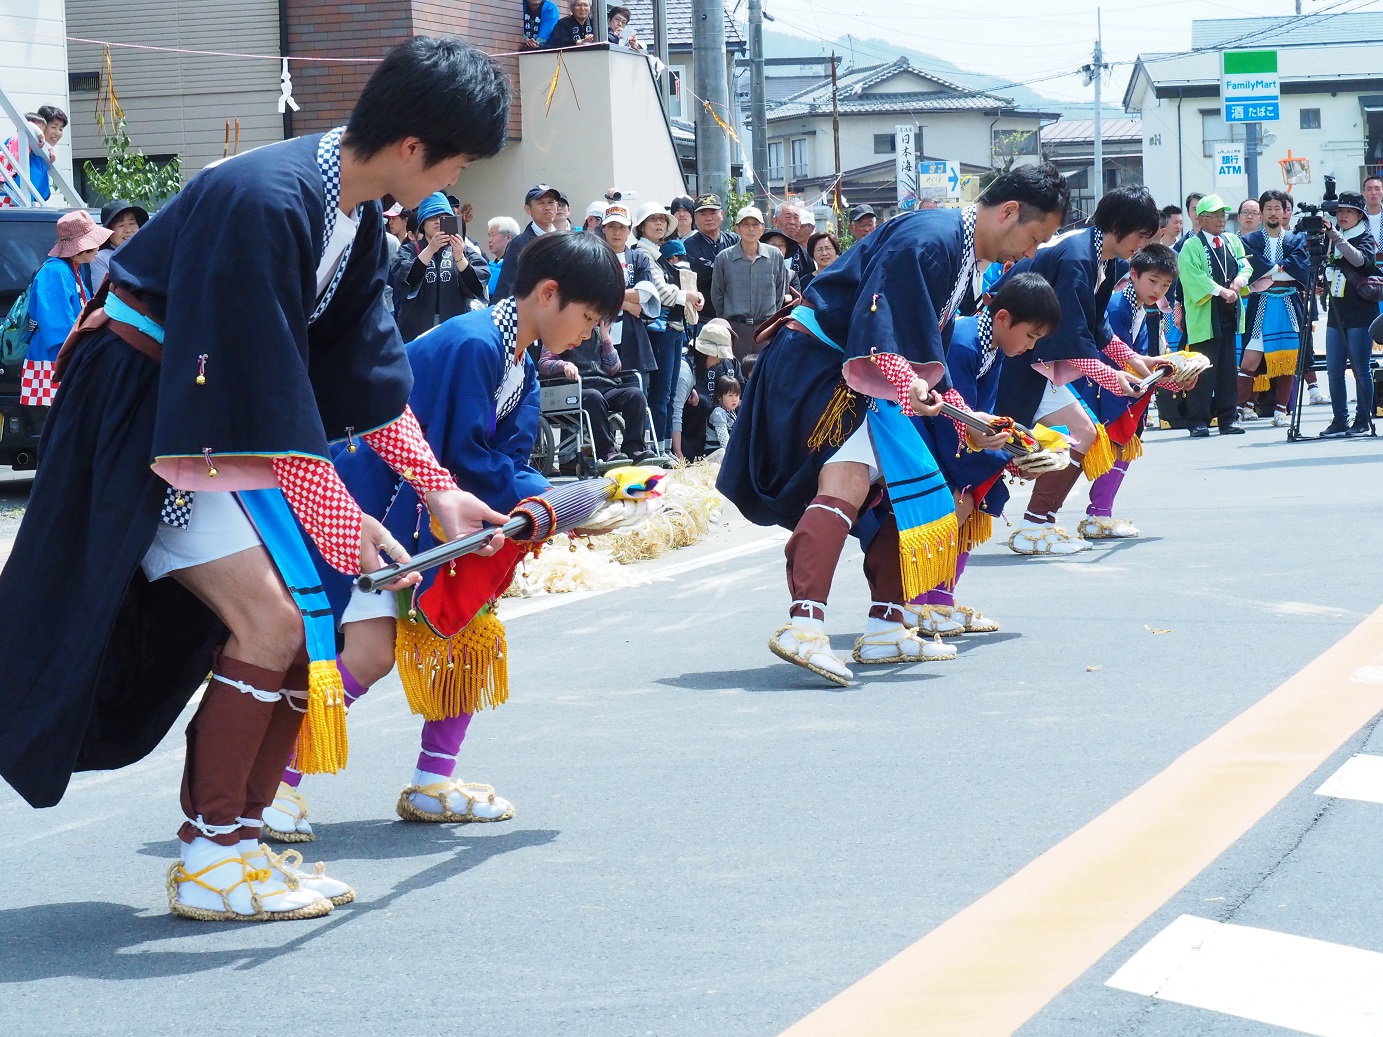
(596, 364)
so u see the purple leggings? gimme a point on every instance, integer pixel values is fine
(441, 738)
(943, 595)
(1104, 489)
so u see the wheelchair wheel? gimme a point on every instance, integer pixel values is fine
(544, 454)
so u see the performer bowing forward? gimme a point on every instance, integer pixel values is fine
(241, 330)
(824, 417)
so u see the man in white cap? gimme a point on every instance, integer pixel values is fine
(748, 281)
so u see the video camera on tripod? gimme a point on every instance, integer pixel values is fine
(1311, 221)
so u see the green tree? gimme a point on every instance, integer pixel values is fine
(734, 202)
(128, 174)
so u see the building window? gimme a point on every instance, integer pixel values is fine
(1215, 131)
(1012, 142)
(885, 143)
(1310, 118)
(674, 94)
(775, 162)
(799, 158)
(83, 82)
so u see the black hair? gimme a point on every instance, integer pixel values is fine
(1168, 211)
(1192, 199)
(1275, 195)
(1029, 299)
(451, 96)
(725, 384)
(747, 364)
(1040, 190)
(1158, 259)
(1127, 210)
(52, 113)
(412, 216)
(1239, 211)
(453, 201)
(610, 14)
(1371, 176)
(584, 267)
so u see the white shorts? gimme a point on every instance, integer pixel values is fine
(860, 449)
(1054, 398)
(217, 528)
(369, 605)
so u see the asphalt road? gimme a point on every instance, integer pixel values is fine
(710, 841)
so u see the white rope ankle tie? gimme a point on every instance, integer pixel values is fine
(210, 831)
(437, 756)
(250, 822)
(810, 606)
(889, 608)
(834, 511)
(259, 694)
(291, 696)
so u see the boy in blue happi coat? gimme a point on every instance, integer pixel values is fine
(475, 393)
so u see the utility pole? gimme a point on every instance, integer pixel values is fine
(835, 133)
(712, 82)
(758, 114)
(660, 37)
(1094, 73)
(1251, 157)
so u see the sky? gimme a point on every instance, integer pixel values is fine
(1040, 42)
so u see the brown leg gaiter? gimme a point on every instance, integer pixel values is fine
(223, 741)
(813, 551)
(1245, 388)
(884, 572)
(1282, 391)
(1050, 491)
(277, 748)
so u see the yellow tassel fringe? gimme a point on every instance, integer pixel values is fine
(830, 427)
(445, 677)
(322, 743)
(1280, 364)
(977, 528)
(1100, 457)
(928, 555)
(1262, 382)
(1132, 450)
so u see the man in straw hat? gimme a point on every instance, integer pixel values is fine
(823, 428)
(61, 288)
(163, 410)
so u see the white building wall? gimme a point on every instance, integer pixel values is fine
(33, 63)
(178, 104)
(1337, 147)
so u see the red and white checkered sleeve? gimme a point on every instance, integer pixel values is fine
(1118, 350)
(404, 449)
(1099, 373)
(900, 374)
(955, 399)
(325, 507)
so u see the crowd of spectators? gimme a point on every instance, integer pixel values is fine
(545, 28)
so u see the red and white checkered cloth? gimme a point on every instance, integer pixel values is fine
(325, 508)
(1098, 372)
(403, 448)
(36, 384)
(1119, 351)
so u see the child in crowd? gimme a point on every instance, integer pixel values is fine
(727, 406)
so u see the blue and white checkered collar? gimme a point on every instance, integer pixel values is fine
(965, 275)
(505, 314)
(329, 163)
(989, 353)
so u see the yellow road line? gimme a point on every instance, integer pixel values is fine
(992, 967)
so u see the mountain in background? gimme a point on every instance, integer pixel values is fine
(856, 53)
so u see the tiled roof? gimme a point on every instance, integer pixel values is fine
(1320, 63)
(1075, 131)
(679, 24)
(1286, 31)
(851, 87)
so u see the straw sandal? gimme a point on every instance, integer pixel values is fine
(934, 619)
(442, 791)
(285, 820)
(289, 864)
(1045, 540)
(976, 622)
(1096, 527)
(810, 648)
(316, 906)
(907, 647)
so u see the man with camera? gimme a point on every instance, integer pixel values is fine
(1349, 260)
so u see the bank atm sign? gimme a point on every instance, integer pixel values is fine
(1249, 87)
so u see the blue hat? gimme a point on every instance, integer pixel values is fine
(673, 248)
(434, 205)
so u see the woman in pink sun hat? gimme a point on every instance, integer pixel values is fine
(61, 288)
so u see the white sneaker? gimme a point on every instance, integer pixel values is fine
(895, 643)
(452, 802)
(285, 820)
(1279, 418)
(1248, 414)
(934, 619)
(804, 642)
(214, 883)
(1315, 397)
(287, 868)
(1045, 540)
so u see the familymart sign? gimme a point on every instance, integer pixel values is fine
(1249, 87)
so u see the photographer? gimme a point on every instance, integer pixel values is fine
(447, 276)
(1350, 257)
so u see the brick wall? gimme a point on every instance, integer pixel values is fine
(369, 29)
